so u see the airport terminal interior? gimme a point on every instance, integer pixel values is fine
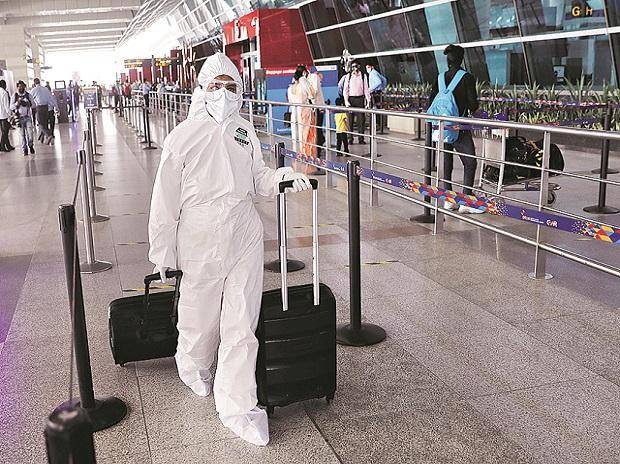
(395, 226)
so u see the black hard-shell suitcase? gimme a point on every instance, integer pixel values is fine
(144, 327)
(296, 332)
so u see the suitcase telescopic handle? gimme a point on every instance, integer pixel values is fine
(284, 239)
(170, 274)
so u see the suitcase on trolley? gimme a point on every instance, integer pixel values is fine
(296, 332)
(143, 327)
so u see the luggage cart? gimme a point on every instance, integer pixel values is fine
(494, 154)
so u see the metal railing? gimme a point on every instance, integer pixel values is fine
(426, 190)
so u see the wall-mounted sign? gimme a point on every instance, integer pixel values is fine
(581, 10)
(133, 64)
(91, 98)
(240, 29)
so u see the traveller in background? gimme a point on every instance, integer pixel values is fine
(22, 105)
(114, 91)
(5, 114)
(42, 98)
(356, 93)
(203, 222)
(303, 133)
(52, 107)
(146, 89)
(316, 98)
(342, 128)
(377, 83)
(466, 98)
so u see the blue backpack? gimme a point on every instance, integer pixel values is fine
(444, 104)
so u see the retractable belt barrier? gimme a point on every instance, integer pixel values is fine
(491, 205)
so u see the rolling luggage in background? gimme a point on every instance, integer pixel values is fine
(297, 339)
(144, 327)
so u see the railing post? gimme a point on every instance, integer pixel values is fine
(601, 207)
(427, 217)
(374, 192)
(270, 125)
(540, 259)
(440, 174)
(329, 152)
(356, 333)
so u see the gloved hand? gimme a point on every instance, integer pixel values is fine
(161, 270)
(300, 181)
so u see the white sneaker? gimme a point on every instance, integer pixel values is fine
(449, 205)
(469, 210)
(253, 427)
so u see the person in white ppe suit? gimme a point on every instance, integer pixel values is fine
(203, 222)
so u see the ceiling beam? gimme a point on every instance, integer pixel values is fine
(86, 36)
(112, 17)
(58, 31)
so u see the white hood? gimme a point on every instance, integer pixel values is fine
(216, 65)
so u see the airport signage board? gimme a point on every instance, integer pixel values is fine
(91, 98)
(133, 64)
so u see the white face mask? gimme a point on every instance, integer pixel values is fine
(368, 70)
(221, 104)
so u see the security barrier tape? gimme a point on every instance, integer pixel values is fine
(494, 206)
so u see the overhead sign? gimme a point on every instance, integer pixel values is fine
(240, 29)
(162, 62)
(133, 64)
(91, 98)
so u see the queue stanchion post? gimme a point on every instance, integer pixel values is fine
(69, 437)
(147, 130)
(97, 144)
(601, 207)
(92, 265)
(90, 176)
(101, 412)
(292, 265)
(356, 333)
(93, 136)
(427, 217)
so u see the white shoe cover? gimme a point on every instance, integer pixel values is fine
(253, 427)
(201, 387)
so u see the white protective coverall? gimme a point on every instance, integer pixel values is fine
(203, 222)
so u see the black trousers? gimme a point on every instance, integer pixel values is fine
(51, 121)
(4, 134)
(341, 139)
(464, 144)
(360, 118)
(320, 133)
(42, 119)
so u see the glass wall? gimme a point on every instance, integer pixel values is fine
(504, 40)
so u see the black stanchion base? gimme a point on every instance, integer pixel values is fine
(107, 412)
(150, 148)
(292, 265)
(596, 209)
(423, 218)
(368, 334)
(609, 171)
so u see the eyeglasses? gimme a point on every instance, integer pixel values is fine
(231, 86)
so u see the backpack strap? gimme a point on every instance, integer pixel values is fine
(441, 82)
(456, 79)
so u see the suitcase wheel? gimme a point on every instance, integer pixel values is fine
(329, 398)
(270, 410)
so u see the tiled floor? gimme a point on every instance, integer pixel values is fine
(481, 364)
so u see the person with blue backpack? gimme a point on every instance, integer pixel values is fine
(454, 94)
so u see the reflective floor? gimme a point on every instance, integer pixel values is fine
(481, 364)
